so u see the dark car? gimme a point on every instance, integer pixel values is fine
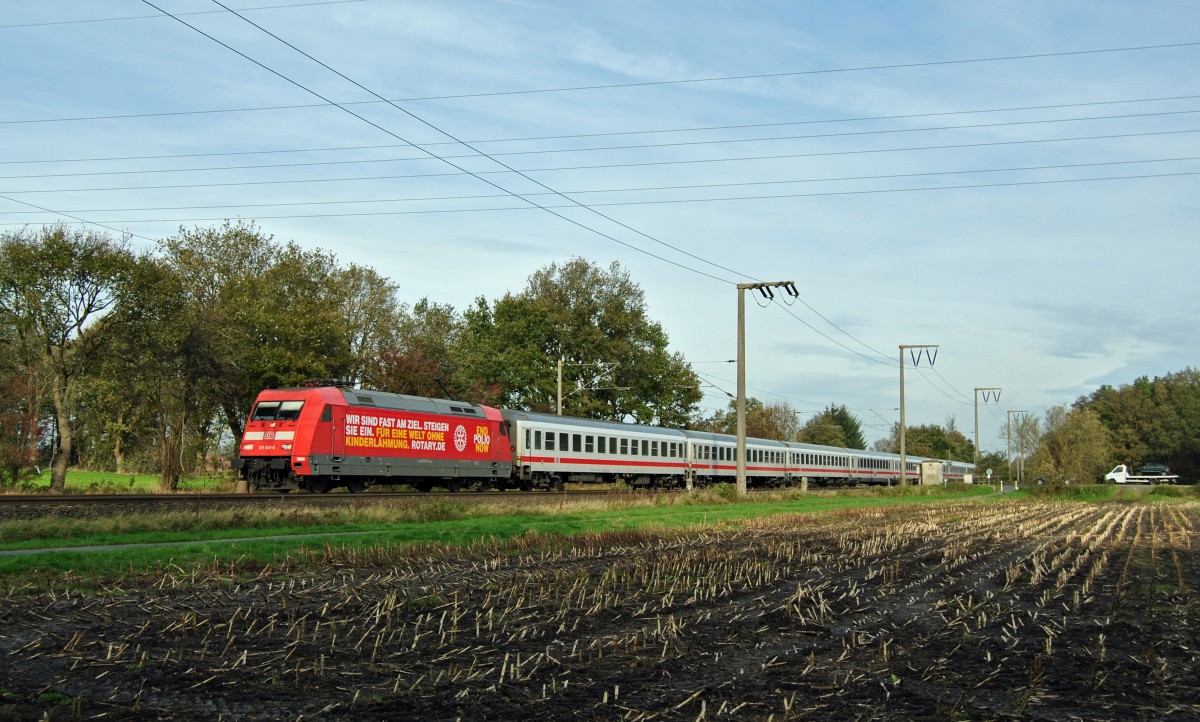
(1152, 470)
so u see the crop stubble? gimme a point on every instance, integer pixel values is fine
(964, 611)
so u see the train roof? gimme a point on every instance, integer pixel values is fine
(396, 402)
(714, 437)
(614, 426)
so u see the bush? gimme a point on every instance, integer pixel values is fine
(1166, 491)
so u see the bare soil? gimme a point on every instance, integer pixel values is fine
(965, 611)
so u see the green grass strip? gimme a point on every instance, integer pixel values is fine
(268, 538)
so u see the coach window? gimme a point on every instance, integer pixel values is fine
(576, 442)
(600, 444)
(589, 443)
(653, 448)
(549, 440)
(624, 447)
(563, 439)
(645, 447)
(528, 445)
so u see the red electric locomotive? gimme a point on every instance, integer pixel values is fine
(323, 437)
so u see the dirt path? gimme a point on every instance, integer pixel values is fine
(971, 611)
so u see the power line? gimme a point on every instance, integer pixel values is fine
(477, 174)
(763, 391)
(75, 218)
(597, 135)
(448, 162)
(643, 189)
(612, 86)
(194, 12)
(480, 178)
(725, 141)
(777, 196)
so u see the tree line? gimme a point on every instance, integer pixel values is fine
(149, 361)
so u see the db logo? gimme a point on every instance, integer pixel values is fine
(483, 440)
(268, 435)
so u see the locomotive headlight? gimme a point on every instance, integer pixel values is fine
(287, 447)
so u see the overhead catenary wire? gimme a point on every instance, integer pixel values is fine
(724, 199)
(592, 135)
(477, 174)
(643, 146)
(444, 160)
(650, 83)
(440, 130)
(452, 137)
(809, 307)
(86, 21)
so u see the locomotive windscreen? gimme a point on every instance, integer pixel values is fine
(277, 411)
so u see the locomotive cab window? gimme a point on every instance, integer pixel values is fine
(277, 411)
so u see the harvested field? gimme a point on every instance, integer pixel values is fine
(1046, 611)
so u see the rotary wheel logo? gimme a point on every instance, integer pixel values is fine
(460, 438)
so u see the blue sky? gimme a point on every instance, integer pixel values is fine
(1013, 181)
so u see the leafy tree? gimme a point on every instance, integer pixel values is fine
(369, 312)
(615, 359)
(1022, 439)
(253, 314)
(994, 460)
(57, 287)
(1153, 420)
(20, 406)
(1075, 446)
(763, 421)
(422, 353)
(161, 351)
(835, 426)
(928, 440)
